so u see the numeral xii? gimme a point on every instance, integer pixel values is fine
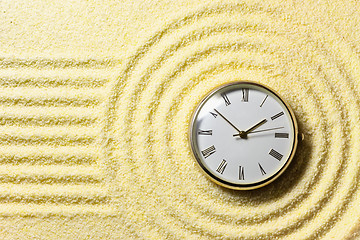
(245, 94)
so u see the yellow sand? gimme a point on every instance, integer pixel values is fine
(96, 98)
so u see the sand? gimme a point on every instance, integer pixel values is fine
(96, 99)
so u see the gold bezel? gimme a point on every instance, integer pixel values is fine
(220, 181)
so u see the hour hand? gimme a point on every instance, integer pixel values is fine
(243, 134)
(256, 126)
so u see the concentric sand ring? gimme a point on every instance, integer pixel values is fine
(161, 192)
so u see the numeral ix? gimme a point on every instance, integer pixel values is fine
(205, 132)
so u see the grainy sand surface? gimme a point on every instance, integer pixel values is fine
(95, 102)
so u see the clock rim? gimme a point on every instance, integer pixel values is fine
(222, 182)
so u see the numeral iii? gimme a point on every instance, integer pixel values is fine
(281, 135)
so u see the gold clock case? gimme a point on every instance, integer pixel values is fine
(214, 178)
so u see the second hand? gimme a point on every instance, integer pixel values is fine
(264, 130)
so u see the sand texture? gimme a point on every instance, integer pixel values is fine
(96, 98)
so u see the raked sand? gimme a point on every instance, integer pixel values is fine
(95, 102)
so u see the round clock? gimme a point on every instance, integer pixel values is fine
(243, 135)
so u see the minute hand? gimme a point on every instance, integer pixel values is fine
(264, 130)
(240, 132)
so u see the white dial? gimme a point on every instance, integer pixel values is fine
(243, 135)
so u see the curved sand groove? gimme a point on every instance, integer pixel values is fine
(165, 195)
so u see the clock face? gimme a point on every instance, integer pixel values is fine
(243, 135)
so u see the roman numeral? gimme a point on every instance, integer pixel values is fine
(277, 115)
(241, 173)
(205, 132)
(214, 114)
(207, 152)
(222, 166)
(264, 101)
(281, 135)
(245, 94)
(226, 99)
(262, 170)
(275, 154)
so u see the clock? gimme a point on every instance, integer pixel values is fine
(243, 135)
